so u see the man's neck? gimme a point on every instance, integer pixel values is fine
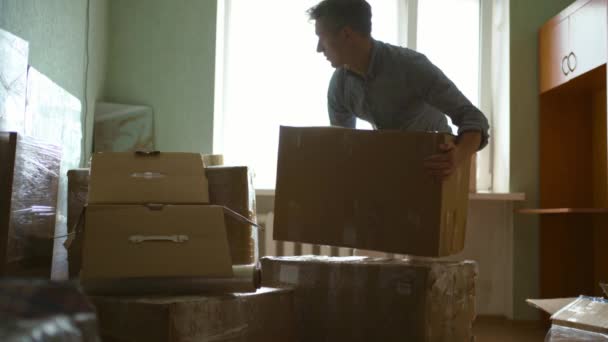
(362, 57)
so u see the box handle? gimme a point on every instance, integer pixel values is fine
(148, 175)
(141, 153)
(171, 238)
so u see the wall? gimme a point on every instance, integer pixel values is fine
(56, 32)
(162, 54)
(526, 18)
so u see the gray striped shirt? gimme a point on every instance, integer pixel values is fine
(401, 90)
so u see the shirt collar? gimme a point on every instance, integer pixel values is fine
(371, 68)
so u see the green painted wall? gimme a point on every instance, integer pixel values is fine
(162, 54)
(526, 18)
(56, 32)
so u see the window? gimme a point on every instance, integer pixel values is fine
(268, 72)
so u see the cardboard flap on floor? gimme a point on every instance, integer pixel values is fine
(369, 190)
(135, 178)
(135, 241)
(584, 313)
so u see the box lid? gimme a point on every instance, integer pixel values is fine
(136, 178)
(132, 241)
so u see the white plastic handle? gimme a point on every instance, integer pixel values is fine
(170, 238)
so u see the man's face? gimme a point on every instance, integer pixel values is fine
(331, 43)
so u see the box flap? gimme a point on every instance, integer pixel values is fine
(135, 178)
(130, 241)
(550, 306)
(585, 313)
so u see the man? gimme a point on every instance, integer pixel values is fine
(390, 86)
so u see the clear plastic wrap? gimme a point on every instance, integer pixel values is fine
(33, 198)
(54, 115)
(13, 80)
(563, 334)
(33, 310)
(369, 299)
(264, 315)
(123, 128)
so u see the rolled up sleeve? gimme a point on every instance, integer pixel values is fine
(439, 91)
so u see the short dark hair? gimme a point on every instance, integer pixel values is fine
(340, 13)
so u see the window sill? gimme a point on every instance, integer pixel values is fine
(478, 196)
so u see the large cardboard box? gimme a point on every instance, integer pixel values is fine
(29, 178)
(135, 178)
(365, 299)
(575, 319)
(141, 241)
(368, 190)
(265, 315)
(232, 187)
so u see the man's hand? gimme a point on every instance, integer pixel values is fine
(442, 165)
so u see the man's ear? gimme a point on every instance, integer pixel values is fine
(347, 32)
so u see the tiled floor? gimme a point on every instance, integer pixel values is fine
(494, 329)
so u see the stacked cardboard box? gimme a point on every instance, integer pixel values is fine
(229, 186)
(152, 211)
(365, 299)
(151, 232)
(369, 190)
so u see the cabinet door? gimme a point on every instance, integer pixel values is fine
(588, 36)
(553, 48)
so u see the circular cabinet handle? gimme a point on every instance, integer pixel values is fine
(571, 57)
(565, 66)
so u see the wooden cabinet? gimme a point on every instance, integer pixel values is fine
(572, 43)
(587, 38)
(553, 47)
(573, 144)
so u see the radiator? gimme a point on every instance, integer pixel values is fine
(270, 247)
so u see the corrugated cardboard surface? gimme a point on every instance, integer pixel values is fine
(266, 315)
(585, 313)
(550, 306)
(78, 189)
(575, 319)
(176, 178)
(365, 299)
(108, 252)
(232, 186)
(368, 190)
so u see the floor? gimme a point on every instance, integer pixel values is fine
(494, 329)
